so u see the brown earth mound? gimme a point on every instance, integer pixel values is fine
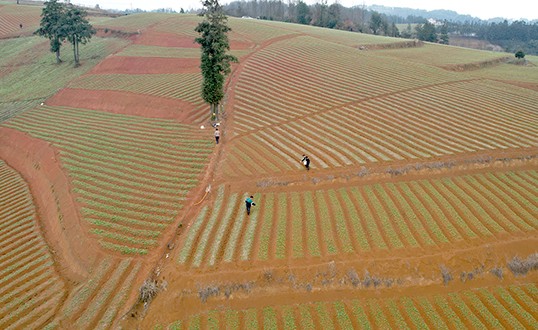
(147, 65)
(123, 103)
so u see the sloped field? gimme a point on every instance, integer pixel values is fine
(428, 54)
(414, 167)
(298, 77)
(95, 305)
(14, 16)
(131, 175)
(30, 288)
(512, 307)
(361, 219)
(29, 75)
(180, 86)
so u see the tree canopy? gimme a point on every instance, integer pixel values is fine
(51, 26)
(78, 29)
(215, 62)
(60, 22)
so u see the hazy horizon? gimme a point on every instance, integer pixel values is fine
(483, 9)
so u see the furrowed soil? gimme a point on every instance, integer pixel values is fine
(302, 243)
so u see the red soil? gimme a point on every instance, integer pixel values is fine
(147, 65)
(122, 103)
(39, 165)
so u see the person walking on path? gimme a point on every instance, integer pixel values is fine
(306, 162)
(217, 135)
(248, 203)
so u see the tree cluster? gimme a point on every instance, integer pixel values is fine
(514, 36)
(64, 22)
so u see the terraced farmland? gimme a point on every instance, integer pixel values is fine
(427, 54)
(423, 180)
(31, 289)
(483, 308)
(362, 219)
(429, 123)
(288, 91)
(13, 16)
(131, 175)
(181, 86)
(96, 304)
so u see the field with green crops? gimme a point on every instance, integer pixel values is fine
(31, 288)
(480, 308)
(15, 16)
(356, 220)
(131, 175)
(419, 210)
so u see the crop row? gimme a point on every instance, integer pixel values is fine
(29, 285)
(272, 79)
(423, 213)
(185, 86)
(396, 127)
(39, 79)
(156, 51)
(97, 302)
(13, 16)
(131, 175)
(12, 109)
(134, 22)
(512, 307)
(432, 54)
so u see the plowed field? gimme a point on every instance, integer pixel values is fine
(420, 208)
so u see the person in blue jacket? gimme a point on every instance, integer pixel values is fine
(248, 203)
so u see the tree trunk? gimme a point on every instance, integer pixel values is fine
(75, 51)
(58, 59)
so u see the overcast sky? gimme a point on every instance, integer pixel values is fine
(484, 9)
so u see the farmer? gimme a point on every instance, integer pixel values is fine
(306, 162)
(217, 135)
(248, 203)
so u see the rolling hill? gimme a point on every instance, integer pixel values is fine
(420, 208)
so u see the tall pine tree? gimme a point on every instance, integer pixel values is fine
(215, 63)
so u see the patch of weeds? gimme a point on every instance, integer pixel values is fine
(397, 171)
(446, 274)
(388, 282)
(377, 281)
(497, 271)
(519, 266)
(308, 287)
(363, 172)
(148, 291)
(468, 276)
(268, 275)
(206, 292)
(353, 277)
(367, 279)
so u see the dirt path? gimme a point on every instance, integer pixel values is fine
(412, 271)
(57, 211)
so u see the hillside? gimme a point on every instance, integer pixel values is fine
(420, 207)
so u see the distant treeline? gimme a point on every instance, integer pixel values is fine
(511, 36)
